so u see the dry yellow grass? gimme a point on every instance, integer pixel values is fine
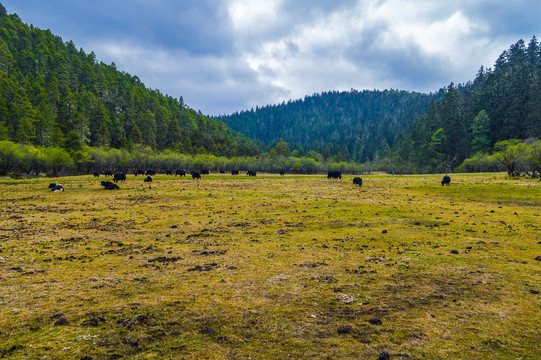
(271, 267)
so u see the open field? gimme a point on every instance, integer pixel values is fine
(271, 267)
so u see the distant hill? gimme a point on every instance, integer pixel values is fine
(50, 92)
(416, 132)
(348, 125)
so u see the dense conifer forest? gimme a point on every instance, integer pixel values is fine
(348, 125)
(502, 103)
(55, 95)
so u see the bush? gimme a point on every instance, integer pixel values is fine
(58, 161)
(11, 157)
(480, 162)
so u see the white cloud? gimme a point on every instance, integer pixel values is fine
(315, 53)
(447, 35)
(212, 84)
(253, 16)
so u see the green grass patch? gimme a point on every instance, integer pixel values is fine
(271, 267)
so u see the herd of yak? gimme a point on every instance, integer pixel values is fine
(196, 174)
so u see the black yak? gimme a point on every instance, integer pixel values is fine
(334, 175)
(121, 176)
(107, 185)
(56, 187)
(446, 180)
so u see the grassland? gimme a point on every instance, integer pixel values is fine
(271, 267)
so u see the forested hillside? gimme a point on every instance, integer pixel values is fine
(352, 125)
(55, 96)
(501, 103)
(52, 94)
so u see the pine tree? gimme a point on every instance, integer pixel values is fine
(435, 149)
(162, 127)
(480, 130)
(282, 149)
(135, 135)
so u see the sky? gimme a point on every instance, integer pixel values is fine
(224, 56)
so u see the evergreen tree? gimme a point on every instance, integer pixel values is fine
(435, 150)
(162, 128)
(480, 130)
(135, 135)
(281, 149)
(147, 125)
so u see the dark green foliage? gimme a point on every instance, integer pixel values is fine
(352, 125)
(500, 104)
(49, 89)
(480, 133)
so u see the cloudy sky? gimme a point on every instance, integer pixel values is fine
(229, 55)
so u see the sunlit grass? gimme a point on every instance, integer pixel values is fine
(271, 267)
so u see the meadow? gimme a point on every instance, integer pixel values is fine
(271, 268)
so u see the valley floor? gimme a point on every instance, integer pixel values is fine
(271, 267)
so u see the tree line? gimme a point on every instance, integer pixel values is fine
(31, 161)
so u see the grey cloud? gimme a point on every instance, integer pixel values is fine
(192, 48)
(199, 27)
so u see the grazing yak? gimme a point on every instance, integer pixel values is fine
(334, 175)
(168, 172)
(446, 180)
(138, 172)
(234, 172)
(196, 174)
(180, 172)
(96, 174)
(221, 172)
(121, 176)
(358, 181)
(151, 172)
(108, 173)
(107, 185)
(251, 173)
(148, 179)
(282, 172)
(205, 172)
(55, 187)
